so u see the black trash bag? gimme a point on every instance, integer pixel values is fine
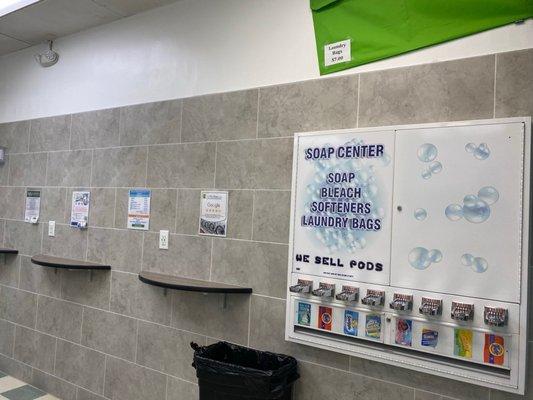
(237, 372)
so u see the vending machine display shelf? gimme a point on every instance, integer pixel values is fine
(8, 251)
(191, 285)
(67, 263)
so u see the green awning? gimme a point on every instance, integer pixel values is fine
(358, 32)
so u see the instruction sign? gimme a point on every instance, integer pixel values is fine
(342, 218)
(33, 206)
(213, 213)
(79, 214)
(139, 209)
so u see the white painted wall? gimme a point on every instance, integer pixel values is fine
(195, 47)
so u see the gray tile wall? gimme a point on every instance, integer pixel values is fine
(112, 337)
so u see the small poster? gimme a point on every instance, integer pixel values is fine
(213, 213)
(351, 322)
(463, 343)
(304, 314)
(404, 332)
(494, 349)
(325, 317)
(139, 209)
(430, 338)
(33, 206)
(79, 215)
(373, 326)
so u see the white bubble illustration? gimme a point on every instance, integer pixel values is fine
(435, 167)
(475, 209)
(480, 152)
(426, 174)
(420, 214)
(427, 152)
(421, 258)
(488, 194)
(477, 264)
(454, 212)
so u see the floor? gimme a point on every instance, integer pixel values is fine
(13, 389)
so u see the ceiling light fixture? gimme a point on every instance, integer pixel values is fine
(9, 6)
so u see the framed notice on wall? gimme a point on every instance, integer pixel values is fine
(213, 213)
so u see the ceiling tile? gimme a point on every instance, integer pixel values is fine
(130, 7)
(8, 45)
(54, 18)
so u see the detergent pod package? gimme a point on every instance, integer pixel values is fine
(404, 332)
(351, 322)
(463, 343)
(430, 338)
(373, 326)
(325, 317)
(494, 349)
(304, 314)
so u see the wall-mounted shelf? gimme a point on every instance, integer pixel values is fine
(8, 251)
(191, 285)
(67, 263)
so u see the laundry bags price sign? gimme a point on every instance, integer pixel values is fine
(343, 200)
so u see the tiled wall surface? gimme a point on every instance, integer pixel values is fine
(116, 338)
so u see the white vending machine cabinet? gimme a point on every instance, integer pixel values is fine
(409, 246)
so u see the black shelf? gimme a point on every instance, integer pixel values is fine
(190, 285)
(67, 263)
(8, 251)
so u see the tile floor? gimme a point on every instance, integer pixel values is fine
(13, 389)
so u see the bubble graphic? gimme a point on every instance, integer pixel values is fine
(420, 214)
(470, 147)
(427, 152)
(420, 258)
(467, 259)
(435, 255)
(479, 265)
(488, 194)
(475, 210)
(454, 212)
(480, 152)
(435, 167)
(426, 174)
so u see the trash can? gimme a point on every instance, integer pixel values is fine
(227, 371)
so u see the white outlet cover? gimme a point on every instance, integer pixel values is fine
(163, 240)
(51, 228)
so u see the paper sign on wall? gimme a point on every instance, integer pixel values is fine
(33, 205)
(79, 215)
(139, 209)
(213, 213)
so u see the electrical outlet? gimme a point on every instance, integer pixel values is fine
(163, 240)
(51, 228)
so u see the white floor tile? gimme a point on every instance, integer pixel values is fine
(46, 397)
(7, 383)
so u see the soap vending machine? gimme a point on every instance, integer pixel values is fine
(409, 246)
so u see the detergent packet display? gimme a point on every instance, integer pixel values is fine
(373, 326)
(351, 322)
(325, 317)
(430, 338)
(494, 349)
(404, 332)
(304, 314)
(462, 343)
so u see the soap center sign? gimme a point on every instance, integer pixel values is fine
(343, 201)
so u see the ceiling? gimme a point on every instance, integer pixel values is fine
(49, 19)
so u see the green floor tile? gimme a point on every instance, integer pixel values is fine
(26, 392)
